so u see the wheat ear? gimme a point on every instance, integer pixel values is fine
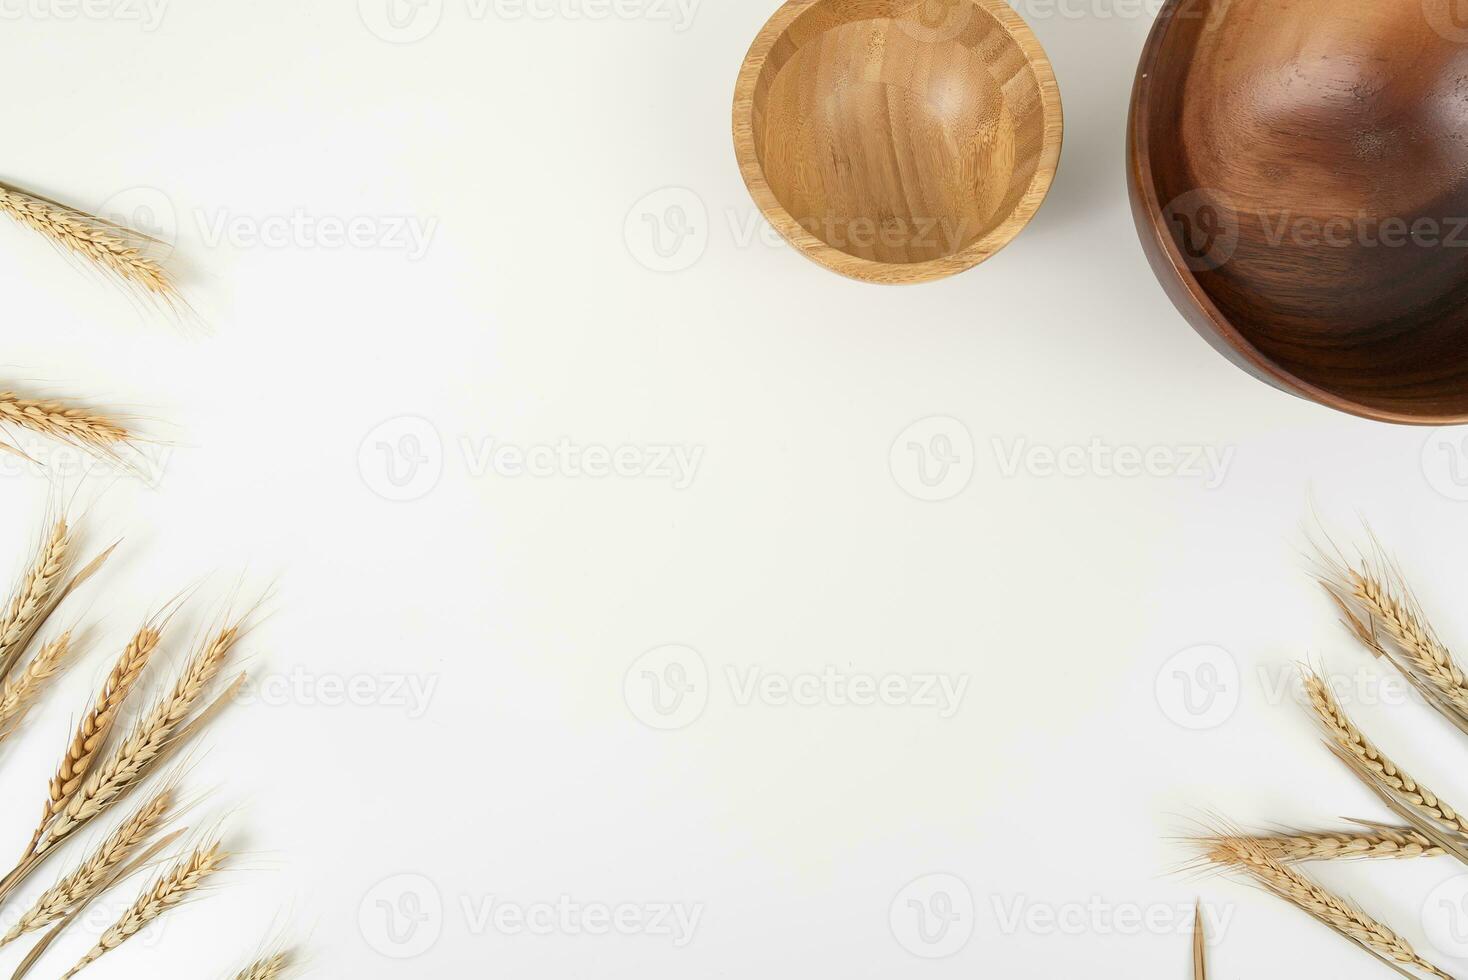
(118, 251)
(1341, 915)
(36, 597)
(172, 888)
(1383, 842)
(81, 884)
(92, 731)
(19, 694)
(269, 968)
(149, 739)
(1379, 592)
(81, 427)
(1345, 736)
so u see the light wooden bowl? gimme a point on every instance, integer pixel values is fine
(1299, 177)
(897, 141)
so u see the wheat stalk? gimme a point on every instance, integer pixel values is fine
(81, 884)
(1200, 945)
(1376, 592)
(1344, 917)
(19, 694)
(118, 251)
(150, 738)
(1384, 842)
(1350, 740)
(171, 889)
(269, 968)
(33, 601)
(92, 731)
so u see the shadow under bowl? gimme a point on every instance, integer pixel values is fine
(1299, 179)
(897, 141)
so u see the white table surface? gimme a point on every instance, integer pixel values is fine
(497, 629)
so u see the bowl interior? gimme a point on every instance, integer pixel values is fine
(1310, 163)
(900, 132)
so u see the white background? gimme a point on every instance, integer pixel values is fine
(529, 147)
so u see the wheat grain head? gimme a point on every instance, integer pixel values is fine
(172, 888)
(97, 869)
(37, 595)
(19, 694)
(152, 735)
(1344, 735)
(120, 252)
(1344, 917)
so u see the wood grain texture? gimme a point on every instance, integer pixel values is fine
(1299, 178)
(897, 141)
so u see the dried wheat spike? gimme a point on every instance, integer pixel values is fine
(19, 695)
(171, 889)
(1300, 845)
(1379, 591)
(118, 251)
(92, 431)
(97, 870)
(131, 760)
(92, 731)
(1345, 735)
(269, 968)
(35, 598)
(1241, 854)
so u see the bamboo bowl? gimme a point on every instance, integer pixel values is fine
(1299, 179)
(897, 141)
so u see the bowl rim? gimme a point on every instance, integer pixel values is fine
(1205, 315)
(868, 270)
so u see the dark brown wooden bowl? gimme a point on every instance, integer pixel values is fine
(1299, 179)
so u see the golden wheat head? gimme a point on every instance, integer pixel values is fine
(119, 252)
